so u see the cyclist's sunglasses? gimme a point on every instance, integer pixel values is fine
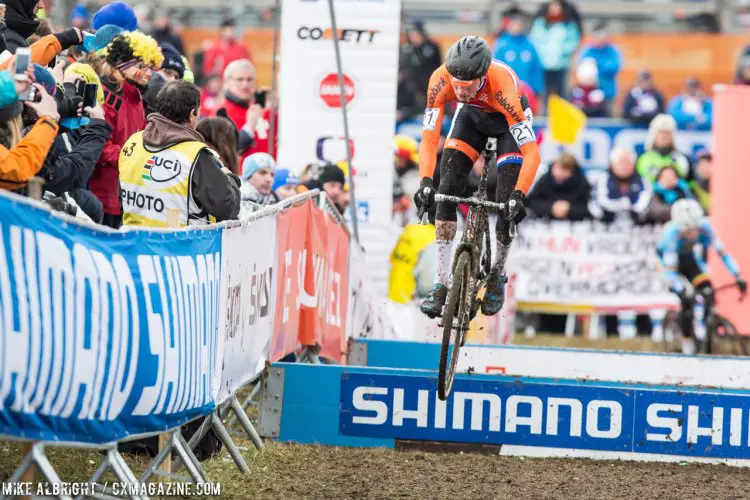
(461, 83)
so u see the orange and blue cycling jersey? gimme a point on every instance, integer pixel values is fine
(501, 92)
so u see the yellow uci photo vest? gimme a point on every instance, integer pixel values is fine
(155, 184)
(401, 283)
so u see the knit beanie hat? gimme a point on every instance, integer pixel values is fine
(117, 13)
(103, 37)
(331, 173)
(255, 162)
(172, 59)
(45, 79)
(129, 48)
(284, 177)
(10, 106)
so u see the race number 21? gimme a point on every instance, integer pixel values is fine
(523, 133)
(430, 118)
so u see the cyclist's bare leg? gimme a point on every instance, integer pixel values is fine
(445, 232)
(454, 169)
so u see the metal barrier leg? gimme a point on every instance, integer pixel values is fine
(570, 325)
(193, 465)
(120, 468)
(178, 444)
(239, 411)
(234, 452)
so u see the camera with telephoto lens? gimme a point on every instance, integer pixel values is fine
(60, 204)
(71, 99)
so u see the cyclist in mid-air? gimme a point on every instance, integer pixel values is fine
(682, 250)
(490, 105)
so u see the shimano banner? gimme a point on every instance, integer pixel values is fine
(552, 414)
(104, 334)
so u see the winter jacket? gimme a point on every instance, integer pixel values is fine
(702, 193)
(518, 52)
(641, 105)
(259, 141)
(608, 63)
(408, 101)
(123, 110)
(215, 191)
(168, 36)
(615, 199)
(221, 53)
(21, 23)
(554, 42)
(420, 62)
(659, 211)
(576, 190)
(22, 162)
(592, 101)
(692, 113)
(44, 50)
(73, 156)
(253, 200)
(650, 163)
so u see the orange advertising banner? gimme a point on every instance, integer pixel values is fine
(312, 283)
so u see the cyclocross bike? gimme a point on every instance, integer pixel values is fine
(470, 267)
(721, 335)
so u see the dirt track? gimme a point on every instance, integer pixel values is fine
(288, 471)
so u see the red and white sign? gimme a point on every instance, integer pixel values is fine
(330, 91)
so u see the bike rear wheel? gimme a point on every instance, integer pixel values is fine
(725, 339)
(455, 323)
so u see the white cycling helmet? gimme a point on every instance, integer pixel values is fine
(686, 214)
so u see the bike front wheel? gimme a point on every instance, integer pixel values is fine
(456, 318)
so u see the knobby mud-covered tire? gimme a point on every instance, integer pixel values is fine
(457, 306)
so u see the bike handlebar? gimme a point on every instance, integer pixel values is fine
(490, 205)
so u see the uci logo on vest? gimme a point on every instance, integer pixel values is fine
(162, 167)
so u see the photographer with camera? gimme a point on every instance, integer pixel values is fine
(21, 158)
(80, 140)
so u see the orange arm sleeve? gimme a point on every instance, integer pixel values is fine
(43, 51)
(22, 162)
(438, 93)
(507, 101)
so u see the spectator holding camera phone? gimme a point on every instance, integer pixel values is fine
(21, 158)
(249, 109)
(80, 140)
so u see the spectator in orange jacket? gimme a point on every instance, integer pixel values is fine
(21, 159)
(46, 48)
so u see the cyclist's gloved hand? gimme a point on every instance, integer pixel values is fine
(424, 198)
(516, 211)
(742, 285)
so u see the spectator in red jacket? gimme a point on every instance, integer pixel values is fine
(251, 119)
(224, 50)
(124, 76)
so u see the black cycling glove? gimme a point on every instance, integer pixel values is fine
(515, 210)
(424, 198)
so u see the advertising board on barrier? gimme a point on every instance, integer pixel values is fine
(588, 264)
(313, 281)
(310, 107)
(552, 414)
(104, 334)
(249, 295)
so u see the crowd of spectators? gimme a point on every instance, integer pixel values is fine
(111, 162)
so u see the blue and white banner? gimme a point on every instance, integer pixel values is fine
(104, 334)
(596, 142)
(546, 413)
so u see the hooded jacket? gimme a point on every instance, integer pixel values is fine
(123, 110)
(21, 23)
(216, 192)
(21, 163)
(576, 190)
